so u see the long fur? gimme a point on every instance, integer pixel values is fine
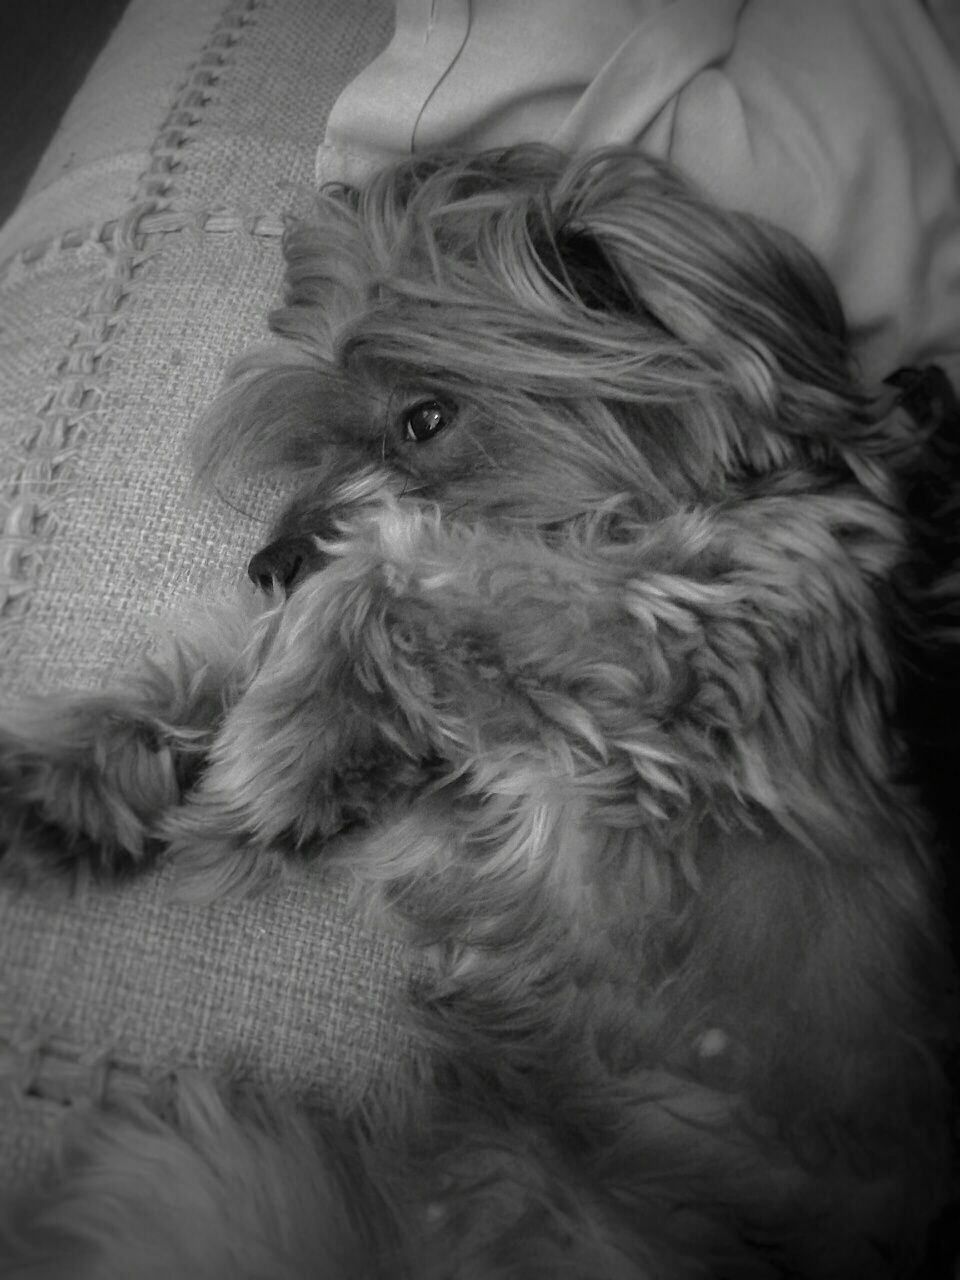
(594, 691)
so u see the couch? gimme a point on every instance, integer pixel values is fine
(143, 257)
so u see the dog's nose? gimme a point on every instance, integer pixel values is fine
(285, 561)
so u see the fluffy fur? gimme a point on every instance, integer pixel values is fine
(575, 645)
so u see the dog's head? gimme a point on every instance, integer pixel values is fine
(520, 338)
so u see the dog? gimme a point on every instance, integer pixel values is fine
(578, 644)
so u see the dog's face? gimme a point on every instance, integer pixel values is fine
(521, 340)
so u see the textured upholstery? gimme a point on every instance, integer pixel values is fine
(145, 255)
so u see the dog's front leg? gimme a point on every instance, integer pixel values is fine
(327, 736)
(85, 777)
(397, 681)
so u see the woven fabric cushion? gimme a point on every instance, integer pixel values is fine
(144, 257)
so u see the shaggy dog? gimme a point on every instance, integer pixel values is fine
(576, 645)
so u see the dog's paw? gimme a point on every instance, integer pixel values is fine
(212, 857)
(82, 786)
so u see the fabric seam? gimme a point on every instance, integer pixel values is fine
(63, 417)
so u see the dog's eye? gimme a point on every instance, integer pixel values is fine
(425, 419)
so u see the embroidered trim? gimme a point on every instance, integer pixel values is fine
(65, 414)
(51, 1069)
(62, 417)
(156, 219)
(186, 114)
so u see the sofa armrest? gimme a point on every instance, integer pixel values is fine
(144, 256)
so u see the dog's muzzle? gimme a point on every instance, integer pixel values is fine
(285, 562)
(315, 518)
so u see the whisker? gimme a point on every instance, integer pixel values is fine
(234, 506)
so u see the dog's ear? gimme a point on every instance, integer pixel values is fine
(576, 261)
(625, 235)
